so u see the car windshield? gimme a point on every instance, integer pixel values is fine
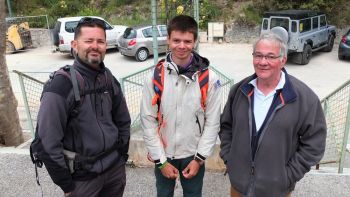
(282, 22)
(129, 33)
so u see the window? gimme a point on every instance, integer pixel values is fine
(294, 26)
(108, 27)
(163, 30)
(305, 25)
(265, 24)
(147, 33)
(323, 21)
(129, 33)
(283, 22)
(315, 23)
(70, 26)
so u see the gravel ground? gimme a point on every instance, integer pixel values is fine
(18, 180)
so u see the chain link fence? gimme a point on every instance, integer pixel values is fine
(336, 108)
(27, 87)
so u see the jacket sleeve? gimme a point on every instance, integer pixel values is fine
(225, 132)
(52, 119)
(212, 118)
(149, 122)
(312, 139)
(121, 119)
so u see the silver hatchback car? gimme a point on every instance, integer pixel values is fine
(138, 42)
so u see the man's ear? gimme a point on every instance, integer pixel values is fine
(74, 45)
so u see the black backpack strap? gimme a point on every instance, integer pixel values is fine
(73, 76)
(110, 81)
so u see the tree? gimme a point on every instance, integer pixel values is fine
(10, 129)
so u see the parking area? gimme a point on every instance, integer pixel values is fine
(323, 74)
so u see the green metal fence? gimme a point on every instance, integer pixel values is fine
(336, 107)
(31, 85)
(133, 85)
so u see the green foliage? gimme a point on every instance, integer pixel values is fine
(136, 12)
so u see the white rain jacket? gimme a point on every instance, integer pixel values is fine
(187, 129)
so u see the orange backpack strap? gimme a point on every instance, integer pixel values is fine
(158, 82)
(203, 80)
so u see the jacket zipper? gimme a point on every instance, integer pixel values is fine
(199, 125)
(98, 122)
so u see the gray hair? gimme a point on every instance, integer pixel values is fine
(270, 36)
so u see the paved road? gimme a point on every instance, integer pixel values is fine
(323, 74)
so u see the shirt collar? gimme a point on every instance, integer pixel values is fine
(280, 84)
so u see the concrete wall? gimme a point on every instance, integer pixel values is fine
(41, 37)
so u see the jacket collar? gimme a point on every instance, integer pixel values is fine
(287, 94)
(198, 63)
(86, 70)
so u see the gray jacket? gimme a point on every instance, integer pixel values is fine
(292, 141)
(103, 120)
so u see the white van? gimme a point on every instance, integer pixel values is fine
(63, 33)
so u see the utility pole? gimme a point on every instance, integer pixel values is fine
(9, 7)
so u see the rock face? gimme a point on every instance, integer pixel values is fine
(241, 34)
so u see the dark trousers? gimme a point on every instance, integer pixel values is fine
(110, 183)
(191, 187)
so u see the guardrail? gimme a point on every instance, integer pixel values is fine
(336, 107)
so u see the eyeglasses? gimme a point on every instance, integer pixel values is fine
(269, 58)
(87, 21)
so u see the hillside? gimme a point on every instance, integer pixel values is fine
(136, 12)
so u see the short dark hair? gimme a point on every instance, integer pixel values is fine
(89, 22)
(183, 23)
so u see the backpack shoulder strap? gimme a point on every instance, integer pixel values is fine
(110, 81)
(203, 80)
(158, 82)
(78, 84)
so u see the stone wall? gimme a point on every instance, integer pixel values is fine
(41, 37)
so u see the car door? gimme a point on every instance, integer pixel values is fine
(323, 29)
(111, 35)
(162, 38)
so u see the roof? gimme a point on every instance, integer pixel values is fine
(76, 18)
(293, 14)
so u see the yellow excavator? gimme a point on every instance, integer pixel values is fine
(18, 37)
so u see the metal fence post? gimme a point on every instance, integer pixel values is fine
(154, 32)
(26, 105)
(345, 139)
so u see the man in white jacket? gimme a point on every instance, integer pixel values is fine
(180, 112)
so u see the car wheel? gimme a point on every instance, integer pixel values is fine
(10, 48)
(141, 54)
(330, 44)
(341, 57)
(306, 55)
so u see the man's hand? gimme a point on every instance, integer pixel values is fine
(191, 170)
(169, 171)
(67, 194)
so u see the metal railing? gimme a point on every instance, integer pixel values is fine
(336, 107)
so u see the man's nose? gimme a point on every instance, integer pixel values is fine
(94, 45)
(182, 44)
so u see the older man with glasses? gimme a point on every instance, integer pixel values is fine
(272, 129)
(83, 128)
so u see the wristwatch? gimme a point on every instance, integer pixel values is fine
(200, 162)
